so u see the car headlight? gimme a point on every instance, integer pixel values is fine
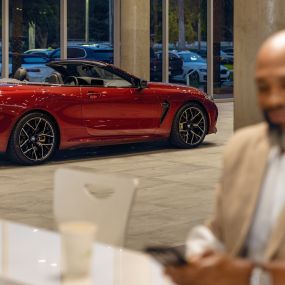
(203, 70)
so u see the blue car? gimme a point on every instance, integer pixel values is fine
(88, 52)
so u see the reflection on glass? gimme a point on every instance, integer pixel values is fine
(188, 42)
(223, 48)
(156, 40)
(90, 30)
(34, 33)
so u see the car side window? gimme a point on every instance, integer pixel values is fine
(110, 79)
(76, 53)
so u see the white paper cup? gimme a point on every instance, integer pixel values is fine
(76, 248)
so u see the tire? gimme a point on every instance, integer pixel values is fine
(34, 140)
(190, 126)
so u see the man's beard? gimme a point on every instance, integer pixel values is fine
(276, 132)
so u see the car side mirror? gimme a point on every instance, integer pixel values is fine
(142, 84)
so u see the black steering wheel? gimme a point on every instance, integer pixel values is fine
(71, 80)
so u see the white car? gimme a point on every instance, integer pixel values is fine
(195, 67)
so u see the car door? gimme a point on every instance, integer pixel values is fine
(118, 109)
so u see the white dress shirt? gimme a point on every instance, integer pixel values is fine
(270, 203)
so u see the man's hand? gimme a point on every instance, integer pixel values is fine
(211, 270)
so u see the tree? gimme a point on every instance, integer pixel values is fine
(44, 15)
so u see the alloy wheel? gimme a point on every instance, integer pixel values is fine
(192, 126)
(37, 139)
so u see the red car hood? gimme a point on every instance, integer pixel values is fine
(176, 88)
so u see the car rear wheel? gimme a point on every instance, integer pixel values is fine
(189, 127)
(34, 140)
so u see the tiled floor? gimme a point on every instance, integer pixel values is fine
(175, 192)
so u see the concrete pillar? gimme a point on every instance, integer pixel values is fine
(135, 37)
(5, 39)
(254, 21)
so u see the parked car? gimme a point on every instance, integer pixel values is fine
(225, 58)
(34, 64)
(175, 65)
(195, 67)
(88, 103)
(104, 54)
(99, 45)
(39, 51)
(228, 51)
(36, 67)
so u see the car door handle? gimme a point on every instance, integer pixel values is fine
(93, 95)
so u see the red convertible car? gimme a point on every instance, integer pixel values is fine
(86, 103)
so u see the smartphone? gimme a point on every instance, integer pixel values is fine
(166, 256)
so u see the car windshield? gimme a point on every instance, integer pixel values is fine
(86, 72)
(191, 57)
(95, 71)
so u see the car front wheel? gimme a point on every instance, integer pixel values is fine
(34, 139)
(189, 127)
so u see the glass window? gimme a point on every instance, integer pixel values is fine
(55, 54)
(188, 41)
(95, 71)
(91, 27)
(102, 55)
(76, 53)
(155, 40)
(34, 25)
(34, 59)
(223, 49)
(104, 76)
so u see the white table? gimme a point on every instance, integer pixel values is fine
(32, 256)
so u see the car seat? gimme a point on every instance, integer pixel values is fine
(54, 78)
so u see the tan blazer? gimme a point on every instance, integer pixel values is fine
(244, 164)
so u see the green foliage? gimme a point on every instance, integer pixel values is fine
(193, 9)
(173, 23)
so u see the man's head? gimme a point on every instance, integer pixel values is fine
(270, 80)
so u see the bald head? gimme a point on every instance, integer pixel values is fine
(272, 51)
(270, 79)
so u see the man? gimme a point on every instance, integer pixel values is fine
(249, 219)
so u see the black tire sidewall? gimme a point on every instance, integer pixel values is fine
(14, 150)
